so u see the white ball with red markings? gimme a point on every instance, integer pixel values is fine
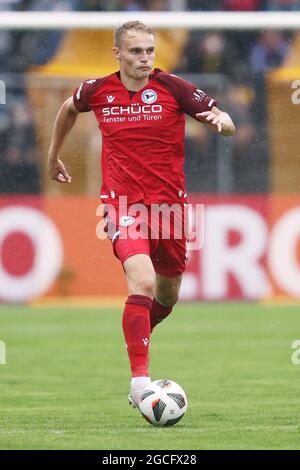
(163, 403)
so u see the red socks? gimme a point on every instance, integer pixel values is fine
(136, 327)
(140, 316)
(158, 313)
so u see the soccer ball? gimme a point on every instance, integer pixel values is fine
(163, 403)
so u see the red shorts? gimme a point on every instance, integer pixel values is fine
(157, 231)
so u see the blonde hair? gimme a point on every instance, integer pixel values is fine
(131, 25)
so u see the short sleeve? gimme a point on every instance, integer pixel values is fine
(81, 96)
(190, 98)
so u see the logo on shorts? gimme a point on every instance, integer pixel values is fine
(149, 96)
(126, 220)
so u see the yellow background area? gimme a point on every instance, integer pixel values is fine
(283, 124)
(88, 53)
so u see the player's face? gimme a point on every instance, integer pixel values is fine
(136, 54)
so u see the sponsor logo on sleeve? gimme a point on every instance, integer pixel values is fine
(199, 95)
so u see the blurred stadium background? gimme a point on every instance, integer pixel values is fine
(57, 390)
(250, 184)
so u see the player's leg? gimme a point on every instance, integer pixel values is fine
(166, 296)
(140, 275)
(141, 278)
(169, 261)
(134, 254)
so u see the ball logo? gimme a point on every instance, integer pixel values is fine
(126, 220)
(149, 96)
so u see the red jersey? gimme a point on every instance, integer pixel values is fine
(142, 134)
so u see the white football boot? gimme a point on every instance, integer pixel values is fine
(137, 386)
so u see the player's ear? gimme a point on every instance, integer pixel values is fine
(116, 53)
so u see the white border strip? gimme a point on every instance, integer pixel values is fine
(166, 20)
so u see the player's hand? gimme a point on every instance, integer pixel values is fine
(209, 117)
(57, 171)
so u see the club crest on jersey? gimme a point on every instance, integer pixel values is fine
(126, 220)
(149, 96)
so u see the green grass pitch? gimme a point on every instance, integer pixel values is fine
(66, 380)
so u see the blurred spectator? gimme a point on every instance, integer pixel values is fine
(249, 153)
(7, 37)
(204, 5)
(200, 158)
(96, 5)
(132, 5)
(157, 5)
(241, 5)
(6, 5)
(238, 100)
(53, 5)
(22, 49)
(177, 5)
(242, 40)
(208, 53)
(6, 48)
(112, 5)
(4, 128)
(45, 5)
(150, 5)
(269, 52)
(32, 48)
(283, 5)
(18, 151)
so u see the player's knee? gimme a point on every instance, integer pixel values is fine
(147, 284)
(144, 285)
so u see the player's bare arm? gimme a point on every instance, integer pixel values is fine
(217, 120)
(64, 122)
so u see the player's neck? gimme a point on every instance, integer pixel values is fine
(133, 84)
